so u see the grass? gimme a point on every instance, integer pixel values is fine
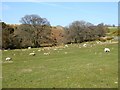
(85, 67)
(0, 69)
(114, 31)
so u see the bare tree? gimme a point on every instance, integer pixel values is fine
(37, 26)
(78, 31)
(34, 20)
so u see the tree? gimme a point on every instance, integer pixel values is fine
(58, 35)
(34, 20)
(78, 31)
(7, 33)
(38, 27)
(113, 25)
(24, 34)
(101, 30)
(0, 35)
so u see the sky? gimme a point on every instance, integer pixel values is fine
(62, 13)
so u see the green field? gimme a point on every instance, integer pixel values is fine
(0, 69)
(72, 67)
(113, 31)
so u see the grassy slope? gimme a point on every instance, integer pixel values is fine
(114, 31)
(80, 68)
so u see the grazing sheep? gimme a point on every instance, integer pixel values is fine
(116, 82)
(55, 49)
(84, 45)
(32, 54)
(42, 49)
(106, 50)
(47, 53)
(8, 59)
(39, 50)
(66, 46)
(29, 47)
(65, 52)
(97, 42)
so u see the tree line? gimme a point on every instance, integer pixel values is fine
(35, 31)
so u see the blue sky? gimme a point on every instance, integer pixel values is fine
(62, 13)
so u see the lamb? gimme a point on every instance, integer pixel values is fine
(106, 50)
(8, 59)
(32, 54)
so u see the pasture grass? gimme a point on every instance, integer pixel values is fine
(81, 67)
(0, 69)
(113, 31)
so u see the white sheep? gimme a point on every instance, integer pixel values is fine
(97, 42)
(47, 53)
(32, 54)
(66, 46)
(39, 50)
(106, 50)
(55, 49)
(8, 59)
(66, 52)
(84, 45)
(29, 47)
